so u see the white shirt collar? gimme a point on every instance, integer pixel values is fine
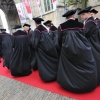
(70, 19)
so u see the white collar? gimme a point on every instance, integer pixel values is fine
(70, 19)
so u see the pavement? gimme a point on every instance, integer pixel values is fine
(11, 89)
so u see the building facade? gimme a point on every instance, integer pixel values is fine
(44, 9)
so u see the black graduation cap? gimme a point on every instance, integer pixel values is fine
(37, 19)
(26, 25)
(17, 27)
(69, 13)
(2, 29)
(85, 10)
(94, 11)
(47, 22)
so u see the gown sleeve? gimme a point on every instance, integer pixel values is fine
(88, 29)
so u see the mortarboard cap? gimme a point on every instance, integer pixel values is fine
(26, 25)
(94, 11)
(2, 29)
(37, 19)
(85, 10)
(17, 27)
(69, 13)
(47, 22)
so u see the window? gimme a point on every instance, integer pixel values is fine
(48, 5)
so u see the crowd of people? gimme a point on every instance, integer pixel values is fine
(69, 54)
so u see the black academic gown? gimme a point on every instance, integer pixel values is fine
(32, 51)
(6, 48)
(20, 60)
(77, 70)
(53, 32)
(54, 36)
(47, 57)
(92, 33)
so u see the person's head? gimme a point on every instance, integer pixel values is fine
(71, 17)
(85, 13)
(48, 23)
(38, 21)
(93, 13)
(17, 27)
(26, 27)
(70, 14)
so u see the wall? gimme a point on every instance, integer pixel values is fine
(96, 5)
(55, 16)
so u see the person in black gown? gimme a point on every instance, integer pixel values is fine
(30, 32)
(47, 57)
(94, 13)
(52, 30)
(92, 33)
(97, 20)
(49, 25)
(77, 71)
(6, 47)
(20, 59)
(26, 28)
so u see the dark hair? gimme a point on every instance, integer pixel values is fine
(38, 22)
(70, 16)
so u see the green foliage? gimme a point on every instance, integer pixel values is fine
(70, 2)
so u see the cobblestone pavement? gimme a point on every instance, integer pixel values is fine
(14, 90)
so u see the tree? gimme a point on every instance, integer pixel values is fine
(75, 2)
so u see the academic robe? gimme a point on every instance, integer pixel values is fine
(77, 71)
(92, 33)
(54, 36)
(6, 48)
(20, 59)
(52, 31)
(32, 51)
(47, 57)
